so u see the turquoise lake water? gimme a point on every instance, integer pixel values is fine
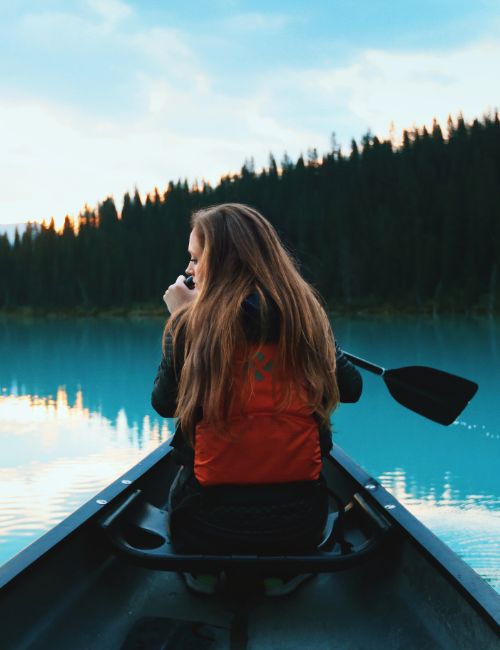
(75, 414)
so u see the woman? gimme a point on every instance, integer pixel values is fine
(251, 370)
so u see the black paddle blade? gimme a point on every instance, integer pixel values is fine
(438, 395)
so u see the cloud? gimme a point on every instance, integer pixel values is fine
(379, 87)
(59, 154)
(167, 112)
(164, 51)
(57, 158)
(111, 10)
(100, 65)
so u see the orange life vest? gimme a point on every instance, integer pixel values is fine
(264, 444)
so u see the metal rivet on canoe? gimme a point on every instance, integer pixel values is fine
(389, 506)
(101, 502)
(126, 481)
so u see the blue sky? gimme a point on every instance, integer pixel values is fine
(100, 96)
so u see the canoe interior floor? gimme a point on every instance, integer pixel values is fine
(343, 610)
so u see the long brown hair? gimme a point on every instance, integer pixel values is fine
(242, 254)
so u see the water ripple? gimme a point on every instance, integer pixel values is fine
(69, 454)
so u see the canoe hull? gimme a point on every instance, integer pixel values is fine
(69, 590)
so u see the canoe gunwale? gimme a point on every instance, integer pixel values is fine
(478, 593)
(27, 559)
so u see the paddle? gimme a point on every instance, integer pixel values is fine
(435, 394)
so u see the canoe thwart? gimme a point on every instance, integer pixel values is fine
(138, 532)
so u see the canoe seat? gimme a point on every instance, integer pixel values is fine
(137, 531)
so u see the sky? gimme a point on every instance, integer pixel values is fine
(98, 97)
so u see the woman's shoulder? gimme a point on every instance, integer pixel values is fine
(261, 321)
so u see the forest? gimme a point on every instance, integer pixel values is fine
(408, 227)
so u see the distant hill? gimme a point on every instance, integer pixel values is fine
(10, 229)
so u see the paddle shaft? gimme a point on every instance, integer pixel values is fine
(366, 365)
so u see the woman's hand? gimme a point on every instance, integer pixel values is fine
(177, 295)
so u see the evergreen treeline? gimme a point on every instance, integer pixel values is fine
(413, 227)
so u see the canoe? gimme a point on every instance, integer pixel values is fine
(107, 577)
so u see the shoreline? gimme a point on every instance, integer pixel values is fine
(141, 312)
